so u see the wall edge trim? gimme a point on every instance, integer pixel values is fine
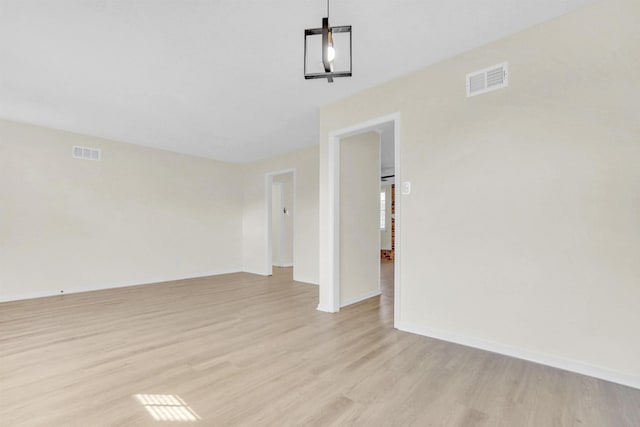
(306, 280)
(325, 309)
(361, 298)
(103, 287)
(576, 366)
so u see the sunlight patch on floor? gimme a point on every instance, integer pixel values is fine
(167, 407)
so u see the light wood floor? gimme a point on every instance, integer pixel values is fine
(241, 349)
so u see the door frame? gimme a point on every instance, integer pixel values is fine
(332, 290)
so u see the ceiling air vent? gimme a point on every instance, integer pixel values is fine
(86, 153)
(491, 78)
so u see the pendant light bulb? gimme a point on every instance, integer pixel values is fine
(331, 53)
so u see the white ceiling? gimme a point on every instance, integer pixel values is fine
(221, 78)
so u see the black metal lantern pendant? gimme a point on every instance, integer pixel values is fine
(327, 51)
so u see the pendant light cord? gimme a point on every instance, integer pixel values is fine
(327, 9)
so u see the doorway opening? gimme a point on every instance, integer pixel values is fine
(341, 227)
(388, 195)
(280, 209)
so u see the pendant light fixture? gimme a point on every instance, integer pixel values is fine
(327, 51)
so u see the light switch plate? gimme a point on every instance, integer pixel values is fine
(406, 187)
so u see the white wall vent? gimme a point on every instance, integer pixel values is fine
(491, 78)
(86, 153)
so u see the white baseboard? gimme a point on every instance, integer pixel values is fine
(256, 272)
(101, 287)
(360, 298)
(326, 309)
(306, 280)
(283, 265)
(579, 367)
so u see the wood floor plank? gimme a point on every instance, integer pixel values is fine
(241, 349)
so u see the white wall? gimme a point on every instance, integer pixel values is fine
(138, 216)
(522, 231)
(359, 217)
(305, 257)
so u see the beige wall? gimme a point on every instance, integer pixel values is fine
(304, 163)
(522, 231)
(138, 216)
(359, 217)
